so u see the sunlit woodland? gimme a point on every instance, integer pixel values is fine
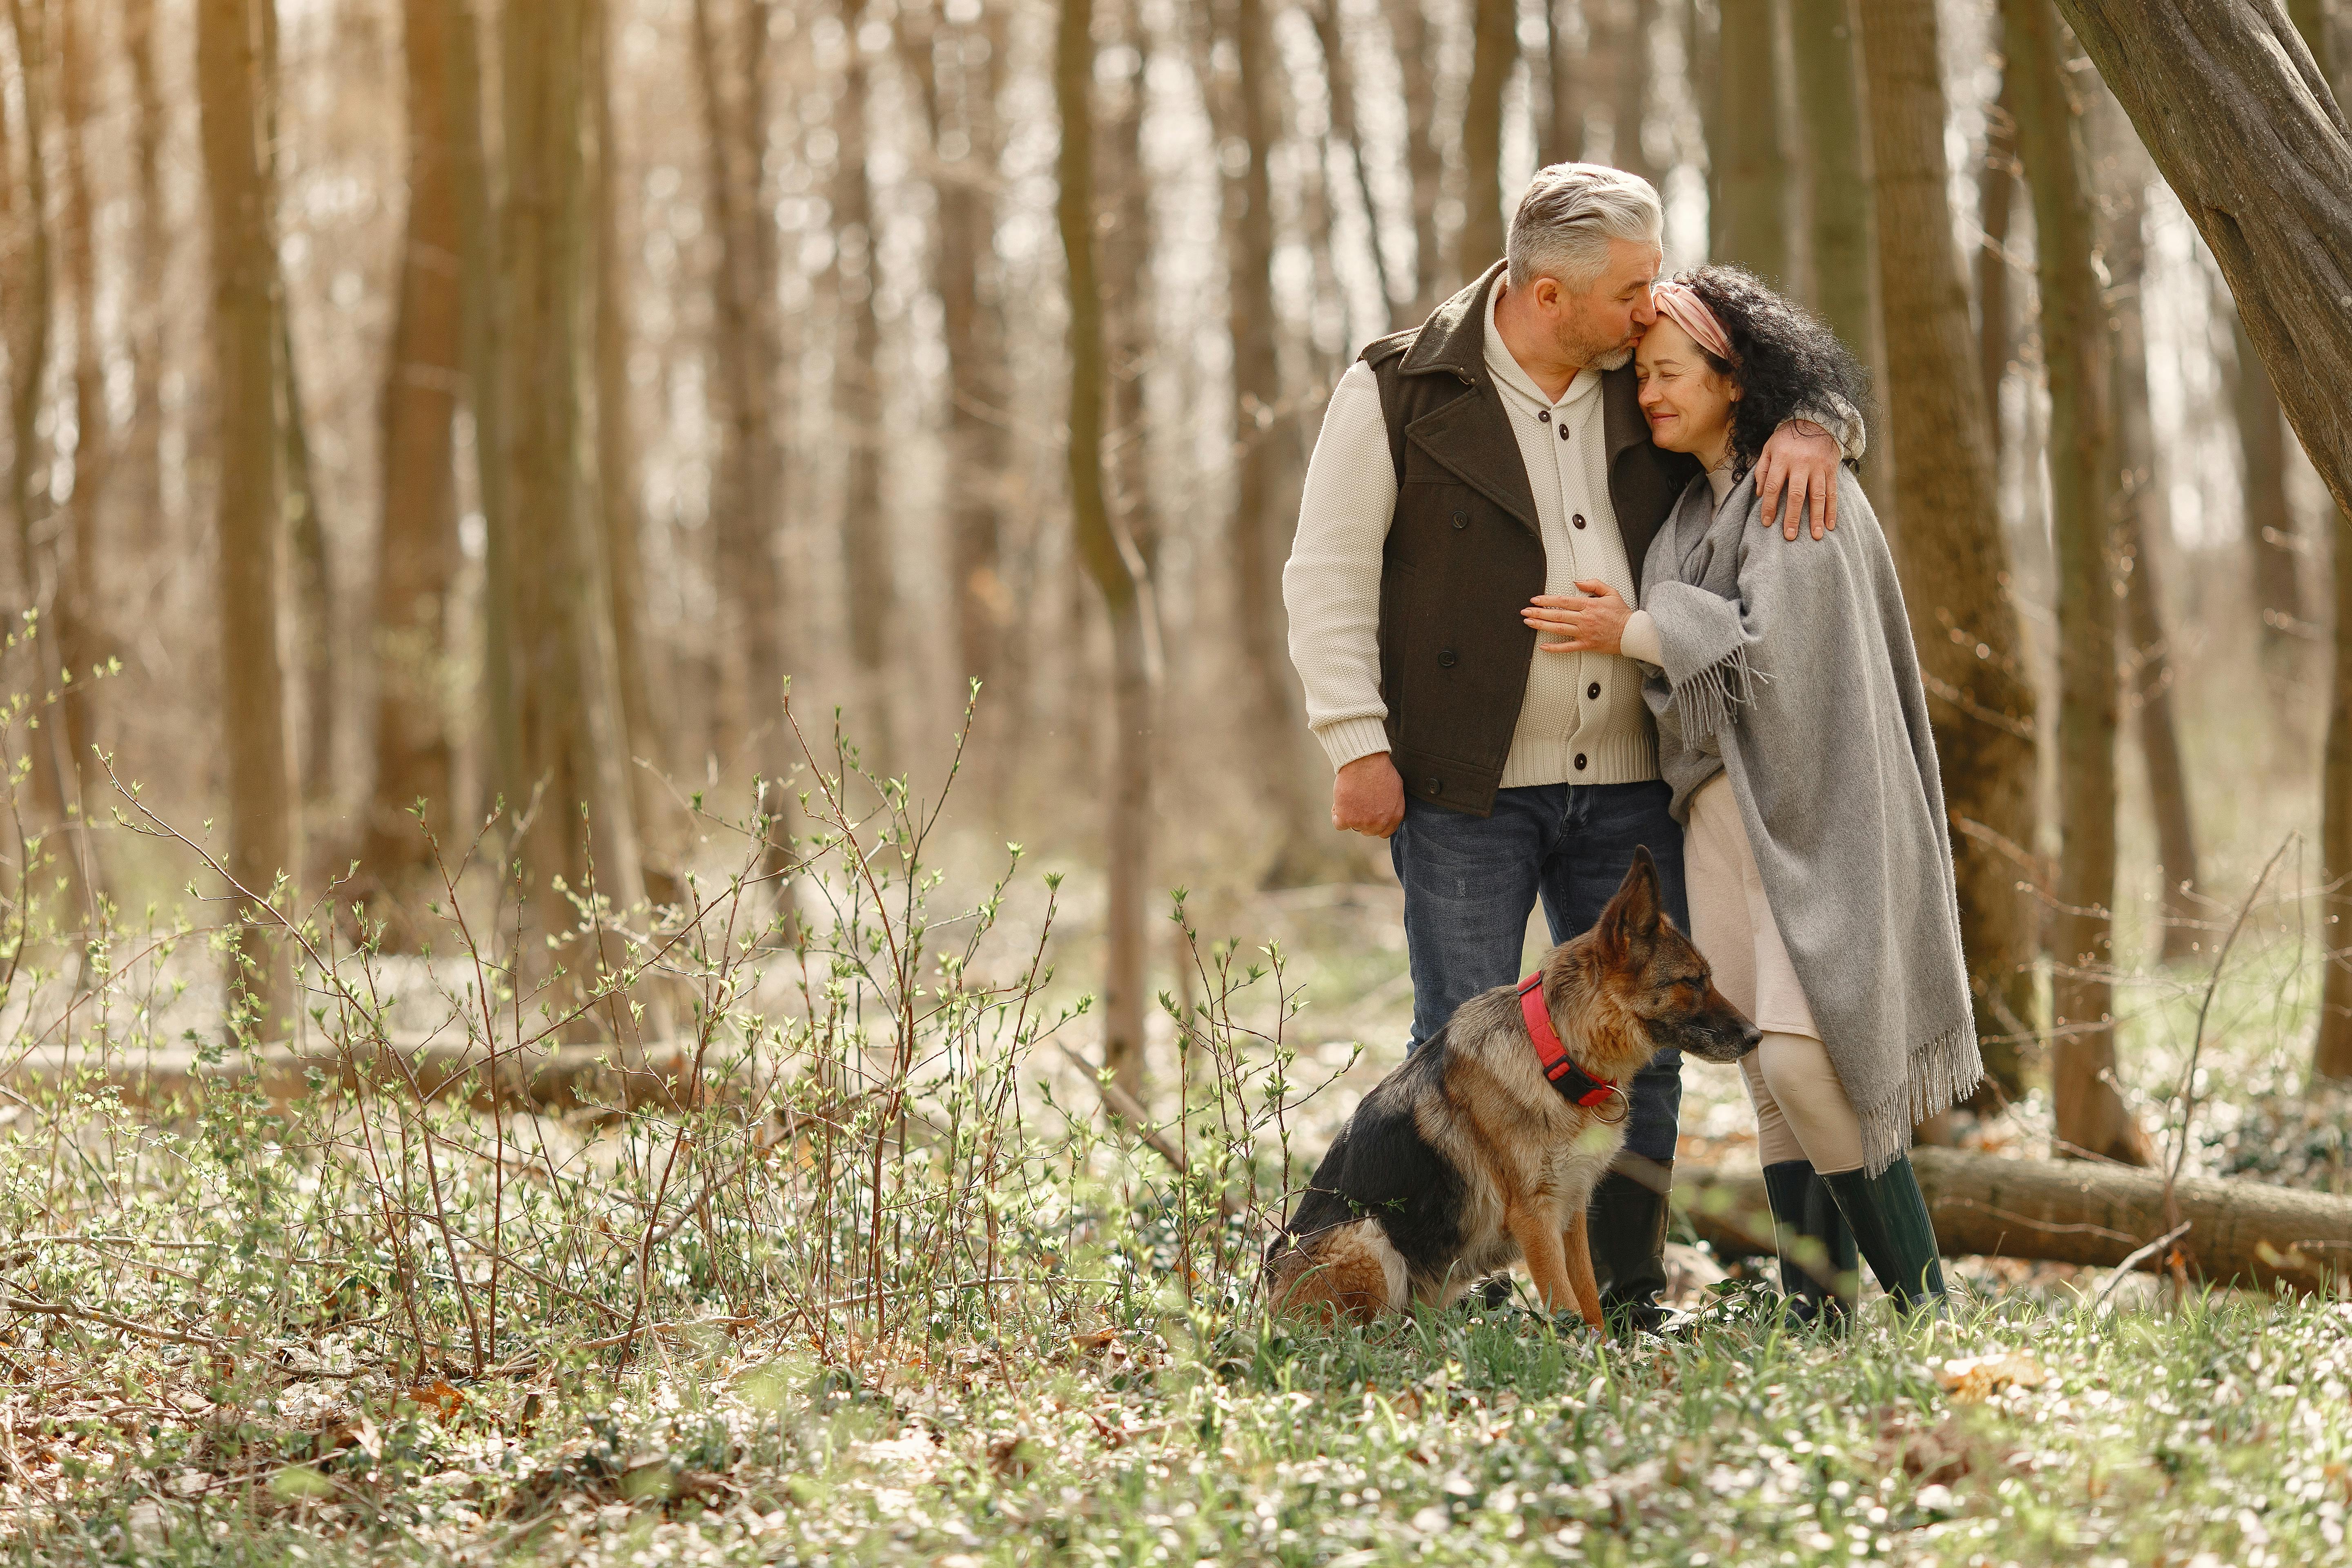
(666, 893)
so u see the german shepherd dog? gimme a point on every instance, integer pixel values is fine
(1467, 1156)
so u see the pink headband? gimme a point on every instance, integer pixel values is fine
(1681, 303)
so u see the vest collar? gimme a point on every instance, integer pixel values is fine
(1453, 338)
(1575, 1085)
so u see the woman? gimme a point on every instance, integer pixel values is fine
(1794, 729)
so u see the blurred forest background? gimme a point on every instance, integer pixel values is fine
(436, 400)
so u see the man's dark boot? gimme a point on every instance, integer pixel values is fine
(1890, 1223)
(1626, 1228)
(1803, 1212)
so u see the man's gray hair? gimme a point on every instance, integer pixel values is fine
(1568, 217)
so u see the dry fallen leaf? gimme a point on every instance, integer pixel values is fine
(1971, 1378)
(440, 1396)
(1093, 1341)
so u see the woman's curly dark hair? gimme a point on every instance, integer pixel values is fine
(1787, 360)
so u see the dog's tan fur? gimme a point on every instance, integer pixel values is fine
(1527, 1159)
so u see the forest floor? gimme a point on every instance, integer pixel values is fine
(366, 1329)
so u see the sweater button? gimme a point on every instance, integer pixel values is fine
(1446, 658)
(1461, 520)
(1579, 517)
(1563, 432)
(1543, 415)
(1580, 761)
(1594, 690)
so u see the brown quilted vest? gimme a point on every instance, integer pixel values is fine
(1465, 552)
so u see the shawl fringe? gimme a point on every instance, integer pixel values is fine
(1941, 1071)
(1711, 699)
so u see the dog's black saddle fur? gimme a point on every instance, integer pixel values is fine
(1380, 1167)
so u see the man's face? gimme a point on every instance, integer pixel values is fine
(1599, 327)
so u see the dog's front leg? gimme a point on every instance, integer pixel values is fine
(1546, 1258)
(1578, 1250)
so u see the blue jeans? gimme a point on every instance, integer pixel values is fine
(1470, 881)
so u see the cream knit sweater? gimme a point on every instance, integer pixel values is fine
(1578, 705)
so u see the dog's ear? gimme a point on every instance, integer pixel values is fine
(1634, 913)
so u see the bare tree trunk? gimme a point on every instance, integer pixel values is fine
(1116, 572)
(83, 643)
(1561, 138)
(1494, 50)
(1955, 560)
(150, 248)
(1617, 76)
(748, 348)
(1342, 83)
(857, 406)
(1829, 91)
(2146, 520)
(482, 339)
(2332, 1046)
(2092, 1118)
(312, 573)
(620, 509)
(1995, 201)
(1414, 41)
(263, 805)
(1265, 461)
(2274, 575)
(960, 102)
(571, 736)
(417, 545)
(1123, 186)
(1755, 182)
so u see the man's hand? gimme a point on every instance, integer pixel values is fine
(1591, 621)
(1367, 796)
(1796, 475)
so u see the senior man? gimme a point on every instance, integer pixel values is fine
(1491, 459)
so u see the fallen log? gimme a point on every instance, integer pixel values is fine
(2240, 1232)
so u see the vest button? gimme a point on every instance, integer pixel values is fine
(1577, 519)
(1594, 690)
(1461, 520)
(1580, 761)
(1434, 787)
(1446, 658)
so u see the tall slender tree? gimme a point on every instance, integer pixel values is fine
(580, 830)
(748, 346)
(1494, 51)
(1116, 571)
(1843, 208)
(620, 507)
(1560, 137)
(1415, 44)
(858, 399)
(2273, 575)
(83, 641)
(959, 70)
(416, 540)
(1752, 185)
(1618, 77)
(264, 805)
(143, 461)
(1953, 559)
(2146, 522)
(1996, 203)
(2077, 356)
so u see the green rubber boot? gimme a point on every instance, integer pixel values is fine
(1890, 1223)
(1817, 1279)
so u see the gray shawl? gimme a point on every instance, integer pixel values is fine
(1789, 666)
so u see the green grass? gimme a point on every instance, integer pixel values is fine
(2222, 1429)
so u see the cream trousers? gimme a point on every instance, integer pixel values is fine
(1802, 1108)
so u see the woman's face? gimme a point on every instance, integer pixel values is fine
(1687, 404)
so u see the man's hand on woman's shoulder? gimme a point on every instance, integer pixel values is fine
(1796, 477)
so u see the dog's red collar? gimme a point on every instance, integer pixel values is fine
(1575, 1085)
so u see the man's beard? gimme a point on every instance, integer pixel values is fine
(1615, 359)
(1608, 355)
